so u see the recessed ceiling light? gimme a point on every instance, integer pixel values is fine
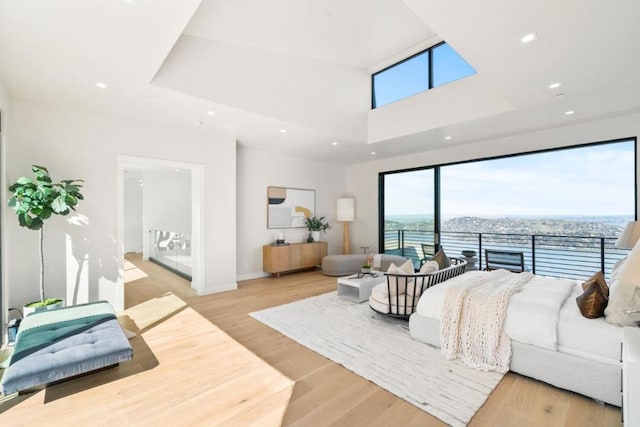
(101, 85)
(334, 143)
(283, 131)
(211, 113)
(570, 112)
(529, 38)
(554, 85)
(447, 137)
(373, 153)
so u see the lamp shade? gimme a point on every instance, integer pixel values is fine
(630, 272)
(630, 235)
(346, 209)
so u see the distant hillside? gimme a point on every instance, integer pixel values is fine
(531, 226)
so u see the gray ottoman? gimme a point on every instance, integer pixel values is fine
(344, 265)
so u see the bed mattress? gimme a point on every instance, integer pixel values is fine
(574, 334)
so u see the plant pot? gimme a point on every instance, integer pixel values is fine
(28, 310)
(365, 270)
(316, 236)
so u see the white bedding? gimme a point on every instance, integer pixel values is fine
(532, 314)
(591, 338)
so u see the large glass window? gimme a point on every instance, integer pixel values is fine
(434, 67)
(409, 213)
(563, 209)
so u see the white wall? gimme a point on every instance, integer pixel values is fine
(84, 145)
(459, 101)
(132, 214)
(362, 179)
(258, 170)
(166, 203)
(226, 73)
(5, 114)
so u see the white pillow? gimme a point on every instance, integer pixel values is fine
(398, 284)
(624, 291)
(429, 267)
(615, 272)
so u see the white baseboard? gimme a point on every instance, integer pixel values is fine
(218, 289)
(250, 276)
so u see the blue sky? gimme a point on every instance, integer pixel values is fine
(412, 76)
(597, 180)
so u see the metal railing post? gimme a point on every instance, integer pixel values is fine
(480, 250)
(533, 253)
(602, 254)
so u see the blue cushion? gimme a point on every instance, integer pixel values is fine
(100, 346)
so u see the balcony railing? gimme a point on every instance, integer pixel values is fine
(574, 257)
(171, 250)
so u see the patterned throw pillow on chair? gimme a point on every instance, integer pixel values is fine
(442, 259)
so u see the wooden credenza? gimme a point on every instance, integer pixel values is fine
(295, 256)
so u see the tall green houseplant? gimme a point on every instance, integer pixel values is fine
(35, 201)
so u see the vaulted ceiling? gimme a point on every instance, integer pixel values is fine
(304, 66)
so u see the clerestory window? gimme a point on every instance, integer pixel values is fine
(434, 67)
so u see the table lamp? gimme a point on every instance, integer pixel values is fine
(346, 213)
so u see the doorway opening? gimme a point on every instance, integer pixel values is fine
(160, 211)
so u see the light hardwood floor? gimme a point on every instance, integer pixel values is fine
(324, 392)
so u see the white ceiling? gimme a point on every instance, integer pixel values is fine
(304, 65)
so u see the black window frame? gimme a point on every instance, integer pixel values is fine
(437, 181)
(429, 52)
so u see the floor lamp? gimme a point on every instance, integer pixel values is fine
(346, 213)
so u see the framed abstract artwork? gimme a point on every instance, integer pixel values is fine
(288, 207)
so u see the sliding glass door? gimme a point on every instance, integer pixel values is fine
(408, 203)
(563, 209)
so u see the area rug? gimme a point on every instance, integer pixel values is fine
(381, 350)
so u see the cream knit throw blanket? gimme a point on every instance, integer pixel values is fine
(472, 317)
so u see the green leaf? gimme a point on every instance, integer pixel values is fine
(23, 180)
(58, 205)
(37, 169)
(36, 224)
(70, 200)
(12, 202)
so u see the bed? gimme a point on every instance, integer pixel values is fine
(551, 342)
(52, 345)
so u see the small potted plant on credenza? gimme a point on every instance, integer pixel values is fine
(315, 225)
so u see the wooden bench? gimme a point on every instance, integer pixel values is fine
(56, 344)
